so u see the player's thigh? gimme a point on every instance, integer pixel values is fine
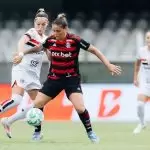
(77, 101)
(144, 94)
(33, 93)
(19, 82)
(51, 88)
(41, 100)
(143, 97)
(17, 89)
(74, 93)
(72, 85)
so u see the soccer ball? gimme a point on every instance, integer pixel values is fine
(34, 117)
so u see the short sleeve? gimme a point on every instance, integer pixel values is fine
(45, 44)
(31, 33)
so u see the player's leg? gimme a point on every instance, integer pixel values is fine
(140, 113)
(37, 135)
(17, 95)
(74, 93)
(49, 90)
(18, 85)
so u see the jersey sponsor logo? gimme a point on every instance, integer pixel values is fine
(61, 54)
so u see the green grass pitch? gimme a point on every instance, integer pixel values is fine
(71, 136)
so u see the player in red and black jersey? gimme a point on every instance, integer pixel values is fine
(64, 70)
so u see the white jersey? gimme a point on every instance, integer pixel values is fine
(144, 74)
(32, 62)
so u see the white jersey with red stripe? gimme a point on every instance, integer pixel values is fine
(32, 62)
(144, 74)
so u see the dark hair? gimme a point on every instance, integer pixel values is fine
(61, 20)
(41, 13)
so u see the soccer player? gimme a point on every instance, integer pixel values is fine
(64, 70)
(142, 81)
(26, 75)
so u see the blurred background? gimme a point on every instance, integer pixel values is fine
(117, 28)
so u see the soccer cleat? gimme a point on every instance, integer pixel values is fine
(139, 128)
(37, 136)
(6, 127)
(93, 137)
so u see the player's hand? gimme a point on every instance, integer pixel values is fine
(114, 69)
(136, 83)
(17, 59)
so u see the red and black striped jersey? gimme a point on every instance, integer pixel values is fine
(64, 54)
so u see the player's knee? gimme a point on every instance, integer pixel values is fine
(140, 104)
(80, 109)
(39, 104)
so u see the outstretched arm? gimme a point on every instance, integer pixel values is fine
(136, 71)
(112, 68)
(33, 50)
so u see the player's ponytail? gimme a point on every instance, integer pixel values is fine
(61, 16)
(61, 20)
(41, 13)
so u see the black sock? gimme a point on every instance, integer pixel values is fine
(85, 118)
(38, 128)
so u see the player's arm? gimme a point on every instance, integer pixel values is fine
(34, 50)
(137, 65)
(48, 53)
(41, 47)
(90, 48)
(24, 39)
(20, 49)
(22, 52)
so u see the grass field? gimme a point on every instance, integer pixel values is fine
(71, 136)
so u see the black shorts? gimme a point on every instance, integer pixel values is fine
(52, 87)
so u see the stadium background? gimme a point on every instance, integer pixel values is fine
(116, 27)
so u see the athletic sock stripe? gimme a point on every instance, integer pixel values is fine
(7, 104)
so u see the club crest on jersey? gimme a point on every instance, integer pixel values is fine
(68, 45)
(54, 44)
(144, 61)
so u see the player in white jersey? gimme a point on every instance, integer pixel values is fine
(142, 81)
(26, 75)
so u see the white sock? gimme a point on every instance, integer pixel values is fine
(8, 104)
(140, 111)
(20, 114)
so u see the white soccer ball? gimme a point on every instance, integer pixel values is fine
(34, 117)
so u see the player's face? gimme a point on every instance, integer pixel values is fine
(40, 24)
(59, 32)
(147, 38)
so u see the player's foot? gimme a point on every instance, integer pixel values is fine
(37, 136)
(139, 128)
(6, 127)
(93, 137)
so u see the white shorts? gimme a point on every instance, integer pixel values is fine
(145, 90)
(25, 79)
